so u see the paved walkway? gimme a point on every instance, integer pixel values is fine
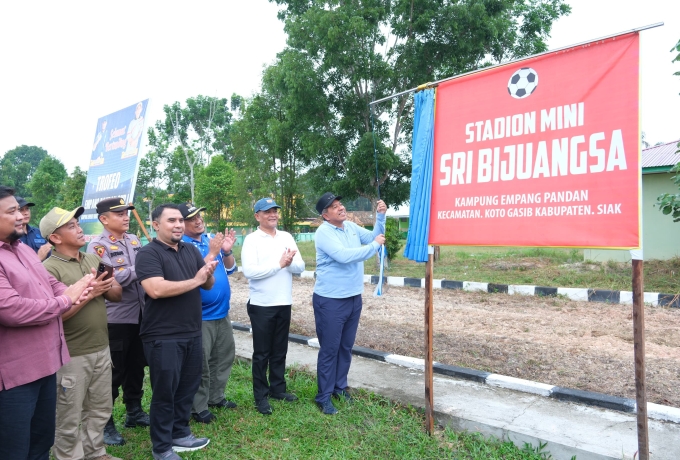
(568, 428)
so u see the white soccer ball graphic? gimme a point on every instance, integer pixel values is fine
(523, 83)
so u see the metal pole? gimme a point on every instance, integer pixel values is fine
(433, 84)
(141, 224)
(639, 351)
(429, 394)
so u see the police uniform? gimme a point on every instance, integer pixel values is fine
(124, 317)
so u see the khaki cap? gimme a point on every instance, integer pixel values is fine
(56, 218)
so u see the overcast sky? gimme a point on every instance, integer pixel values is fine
(65, 64)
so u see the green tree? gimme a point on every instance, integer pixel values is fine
(72, 190)
(215, 192)
(46, 183)
(363, 50)
(669, 203)
(151, 187)
(188, 136)
(276, 135)
(18, 165)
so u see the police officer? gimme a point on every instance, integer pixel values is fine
(32, 236)
(119, 248)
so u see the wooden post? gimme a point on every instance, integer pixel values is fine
(639, 351)
(429, 394)
(141, 224)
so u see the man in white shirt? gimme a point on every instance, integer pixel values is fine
(269, 258)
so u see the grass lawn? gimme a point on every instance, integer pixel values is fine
(533, 266)
(371, 428)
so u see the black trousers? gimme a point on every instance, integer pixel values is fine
(270, 346)
(127, 357)
(175, 368)
(27, 420)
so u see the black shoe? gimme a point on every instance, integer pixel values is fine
(135, 415)
(263, 407)
(224, 404)
(327, 407)
(204, 416)
(111, 435)
(342, 395)
(288, 397)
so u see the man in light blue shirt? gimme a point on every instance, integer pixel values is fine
(337, 293)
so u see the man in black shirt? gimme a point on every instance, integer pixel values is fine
(171, 273)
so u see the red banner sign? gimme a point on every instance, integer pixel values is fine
(543, 152)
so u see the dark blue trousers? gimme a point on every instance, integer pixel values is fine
(336, 321)
(27, 420)
(175, 368)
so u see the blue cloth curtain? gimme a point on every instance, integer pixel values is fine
(421, 176)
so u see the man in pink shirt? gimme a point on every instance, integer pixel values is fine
(32, 345)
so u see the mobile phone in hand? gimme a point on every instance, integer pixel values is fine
(104, 268)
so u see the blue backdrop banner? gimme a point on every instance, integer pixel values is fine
(421, 176)
(114, 160)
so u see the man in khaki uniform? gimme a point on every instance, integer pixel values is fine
(83, 384)
(119, 248)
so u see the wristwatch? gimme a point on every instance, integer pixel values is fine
(227, 254)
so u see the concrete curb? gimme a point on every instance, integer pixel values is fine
(580, 294)
(590, 398)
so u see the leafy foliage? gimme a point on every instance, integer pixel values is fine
(669, 203)
(276, 137)
(189, 136)
(73, 189)
(151, 187)
(214, 191)
(18, 166)
(364, 50)
(393, 241)
(46, 183)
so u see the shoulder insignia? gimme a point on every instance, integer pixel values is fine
(120, 260)
(134, 242)
(113, 247)
(100, 250)
(112, 238)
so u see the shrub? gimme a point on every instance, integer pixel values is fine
(393, 243)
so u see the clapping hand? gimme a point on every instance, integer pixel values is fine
(229, 240)
(215, 245)
(80, 290)
(206, 272)
(287, 257)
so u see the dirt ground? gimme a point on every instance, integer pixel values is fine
(583, 345)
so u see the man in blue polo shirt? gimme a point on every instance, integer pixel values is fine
(32, 236)
(219, 349)
(337, 293)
